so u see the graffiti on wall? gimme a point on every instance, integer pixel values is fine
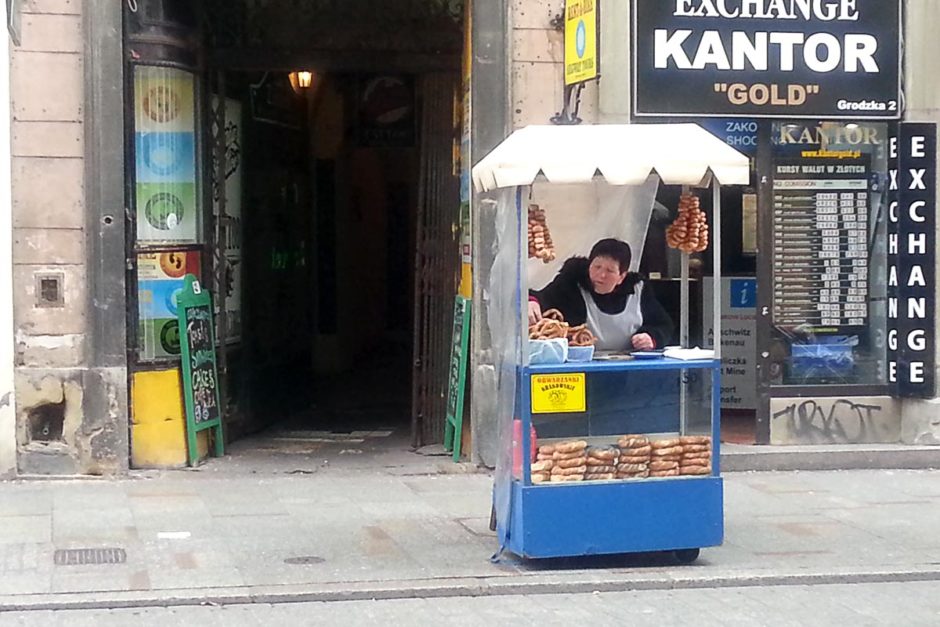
(834, 420)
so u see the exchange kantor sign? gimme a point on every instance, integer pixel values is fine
(821, 244)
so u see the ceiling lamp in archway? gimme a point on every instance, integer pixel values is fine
(301, 80)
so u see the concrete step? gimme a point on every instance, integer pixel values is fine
(739, 457)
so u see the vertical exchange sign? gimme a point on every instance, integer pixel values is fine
(912, 279)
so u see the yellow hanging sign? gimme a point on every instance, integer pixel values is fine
(558, 393)
(580, 41)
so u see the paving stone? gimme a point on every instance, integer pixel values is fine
(372, 527)
(25, 529)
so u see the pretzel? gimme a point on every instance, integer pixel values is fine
(663, 452)
(548, 329)
(633, 467)
(542, 466)
(566, 478)
(630, 441)
(663, 465)
(571, 446)
(574, 462)
(583, 337)
(599, 470)
(603, 453)
(689, 231)
(554, 314)
(566, 456)
(667, 473)
(579, 470)
(540, 244)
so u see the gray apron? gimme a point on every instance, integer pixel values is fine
(613, 331)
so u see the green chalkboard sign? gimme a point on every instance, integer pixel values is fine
(457, 376)
(199, 370)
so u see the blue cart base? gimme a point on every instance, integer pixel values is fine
(612, 517)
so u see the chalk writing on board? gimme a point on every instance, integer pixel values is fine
(202, 363)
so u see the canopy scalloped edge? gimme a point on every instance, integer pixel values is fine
(623, 154)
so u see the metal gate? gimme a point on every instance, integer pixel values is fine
(216, 235)
(437, 258)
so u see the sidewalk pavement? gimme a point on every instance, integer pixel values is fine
(283, 521)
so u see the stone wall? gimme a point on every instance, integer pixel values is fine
(53, 434)
(7, 401)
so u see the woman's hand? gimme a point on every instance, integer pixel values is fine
(535, 312)
(643, 342)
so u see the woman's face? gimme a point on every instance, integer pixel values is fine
(605, 274)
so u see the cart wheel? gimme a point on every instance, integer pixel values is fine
(686, 556)
(492, 518)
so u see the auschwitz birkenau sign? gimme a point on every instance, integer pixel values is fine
(912, 223)
(580, 41)
(767, 58)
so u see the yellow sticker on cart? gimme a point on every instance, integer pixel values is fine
(558, 393)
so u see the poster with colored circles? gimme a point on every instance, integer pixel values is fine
(167, 195)
(159, 283)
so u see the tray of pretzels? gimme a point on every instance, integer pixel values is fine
(553, 326)
(632, 457)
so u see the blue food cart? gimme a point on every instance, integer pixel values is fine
(673, 397)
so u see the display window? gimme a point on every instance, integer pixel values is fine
(829, 221)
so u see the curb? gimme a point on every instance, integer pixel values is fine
(602, 581)
(810, 458)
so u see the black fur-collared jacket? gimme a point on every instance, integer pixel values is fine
(563, 293)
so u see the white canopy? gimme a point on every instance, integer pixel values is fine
(624, 154)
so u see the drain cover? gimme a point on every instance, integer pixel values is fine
(304, 560)
(80, 557)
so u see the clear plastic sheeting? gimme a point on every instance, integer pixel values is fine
(579, 215)
(507, 333)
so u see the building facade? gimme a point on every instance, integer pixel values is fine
(767, 386)
(75, 308)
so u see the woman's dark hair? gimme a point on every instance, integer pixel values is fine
(615, 249)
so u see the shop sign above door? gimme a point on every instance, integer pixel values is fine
(836, 59)
(580, 41)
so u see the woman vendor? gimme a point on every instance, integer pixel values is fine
(599, 290)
